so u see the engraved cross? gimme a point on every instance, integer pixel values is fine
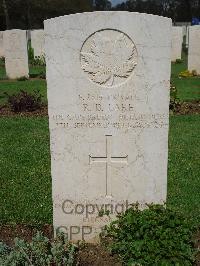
(109, 160)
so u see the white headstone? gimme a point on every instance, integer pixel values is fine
(37, 42)
(187, 37)
(1, 44)
(184, 30)
(108, 97)
(194, 49)
(28, 35)
(16, 55)
(177, 41)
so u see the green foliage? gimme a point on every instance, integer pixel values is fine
(154, 236)
(174, 100)
(35, 60)
(188, 74)
(38, 61)
(40, 75)
(24, 101)
(30, 54)
(39, 252)
(2, 61)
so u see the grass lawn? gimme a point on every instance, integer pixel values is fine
(184, 166)
(25, 169)
(188, 88)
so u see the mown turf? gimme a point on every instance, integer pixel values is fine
(25, 169)
(188, 88)
(184, 166)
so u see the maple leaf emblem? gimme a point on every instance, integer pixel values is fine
(109, 57)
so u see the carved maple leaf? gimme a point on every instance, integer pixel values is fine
(108, 59)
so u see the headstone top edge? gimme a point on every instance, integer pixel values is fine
(15, 30)
(52, 20)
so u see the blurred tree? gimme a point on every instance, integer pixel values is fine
(30, 14)
(27, 14)
(102, 5)
(6, 14)
(178, 10)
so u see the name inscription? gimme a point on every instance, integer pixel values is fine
(109, 111)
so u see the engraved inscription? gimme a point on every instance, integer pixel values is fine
(108, 160)
(108, 57)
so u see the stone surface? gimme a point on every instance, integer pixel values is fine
(194, 49)
(37, 42)
(108, 98)
(177, 41)
(1, 44)
(28, 32)
(187, 38)
(16, 55)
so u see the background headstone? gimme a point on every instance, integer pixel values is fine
(28, 32)
(16, 55)
(177, 42)
(184, 25)
(108, 98)
(1, 44)
(187, 37)
(194, 49)
(37, 42)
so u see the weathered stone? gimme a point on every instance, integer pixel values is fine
(37, 42)
(194, 49)
(16, 55)
(177, 42)
(1, 44)
(108, 97)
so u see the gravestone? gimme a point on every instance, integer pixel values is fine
(177, 41)
(108, 99)
(1, 44)
(194, 49)
(37, 42)
(16, 55)
(28, 34)
(187, 38)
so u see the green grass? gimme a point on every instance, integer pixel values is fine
(25, 169)
(36, 70)
(188, 88)
(184, 166)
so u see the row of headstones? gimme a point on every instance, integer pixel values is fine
(192, 43)
(13, 46)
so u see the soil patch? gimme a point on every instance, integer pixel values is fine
(9, 232)
(7, 112)
(187, 108)
(96, 255)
